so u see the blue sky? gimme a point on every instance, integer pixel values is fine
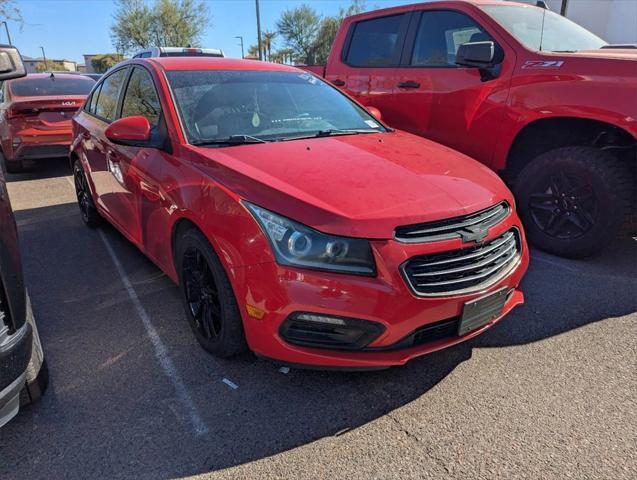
(69, 28)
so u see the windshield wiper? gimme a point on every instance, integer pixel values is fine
(231, 140)
(563, 51)
(331, 132)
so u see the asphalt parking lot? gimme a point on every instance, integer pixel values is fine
(550, 392)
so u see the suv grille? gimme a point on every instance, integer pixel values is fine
(465, 270)
(456, 227)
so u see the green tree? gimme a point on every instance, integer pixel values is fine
(309, 35)
(299, 28)
(101, 63)
(50, 67)
(138, 25)
(267, 41)
(10, 11)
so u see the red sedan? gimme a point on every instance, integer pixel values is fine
(35, 116)
(294, 221)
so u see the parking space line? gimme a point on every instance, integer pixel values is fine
(161, 353)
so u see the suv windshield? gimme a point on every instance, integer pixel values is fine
(221, 104)
(36, 87)
(542, 30)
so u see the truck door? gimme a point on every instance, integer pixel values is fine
(366, 66)
(442, 101)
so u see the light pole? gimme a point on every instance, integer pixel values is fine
(46, 67)
(258, 30)
(241, 40)
(6, 27)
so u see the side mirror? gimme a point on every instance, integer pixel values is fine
(11, 65)
(375, 113)
(476, 54)
(132, 131)
(487, 56)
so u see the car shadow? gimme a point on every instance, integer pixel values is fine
(111, 411)
(39, 169)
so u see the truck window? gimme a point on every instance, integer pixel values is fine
(440, 33)
(376, 42)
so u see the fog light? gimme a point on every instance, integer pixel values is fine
(326, 331)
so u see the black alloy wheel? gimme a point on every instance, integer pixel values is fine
(202, 295)
(565, 206)
(208, 297)
(90, 216)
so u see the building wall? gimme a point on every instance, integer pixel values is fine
(613, 20)
(88, 65)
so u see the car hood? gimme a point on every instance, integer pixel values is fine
(356, 185)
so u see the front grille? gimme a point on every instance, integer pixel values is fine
(466, 270)
(457, 227)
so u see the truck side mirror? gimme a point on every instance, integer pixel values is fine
(486, 56)
(11, 65)
(476, 54)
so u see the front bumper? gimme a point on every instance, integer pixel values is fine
(277, 292)
(15, 353)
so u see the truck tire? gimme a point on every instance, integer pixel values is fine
(573, 200)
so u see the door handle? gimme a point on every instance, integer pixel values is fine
(338, 82)
(409, 84)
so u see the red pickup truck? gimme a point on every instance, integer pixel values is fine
(536, 97)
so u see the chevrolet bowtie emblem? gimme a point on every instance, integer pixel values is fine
(474, 234)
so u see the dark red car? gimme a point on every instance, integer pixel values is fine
(35, 116)
(294, 221)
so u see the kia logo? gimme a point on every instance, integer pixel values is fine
(68, 104)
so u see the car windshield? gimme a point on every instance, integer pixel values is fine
(542, 30)
(36, 87)
(220, 104)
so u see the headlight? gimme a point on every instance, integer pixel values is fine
(300, 246)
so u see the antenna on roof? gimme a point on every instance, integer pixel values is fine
(52, 76)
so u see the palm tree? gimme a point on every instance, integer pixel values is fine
(267, 42)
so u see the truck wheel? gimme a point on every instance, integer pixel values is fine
(573, 200)
(209, 301)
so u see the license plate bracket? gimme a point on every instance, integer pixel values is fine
(480, 311)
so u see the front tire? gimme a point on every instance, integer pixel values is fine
(573, 200)
(208, 298)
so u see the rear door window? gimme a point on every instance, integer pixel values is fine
(106, 106)
(141, 97)
(440, 34)
(377, 42)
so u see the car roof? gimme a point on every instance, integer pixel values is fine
(214, 63)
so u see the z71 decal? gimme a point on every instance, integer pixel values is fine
(543, 64)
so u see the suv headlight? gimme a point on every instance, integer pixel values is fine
(300, 246)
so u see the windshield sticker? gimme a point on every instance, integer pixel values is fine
(543, 64)
(372, 123)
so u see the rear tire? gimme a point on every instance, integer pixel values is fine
(90, 215)
(14, 166)
(573, 200)
(208, 298)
